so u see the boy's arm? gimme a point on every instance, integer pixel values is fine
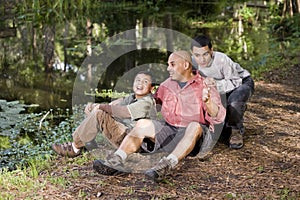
(116, 110)
(117, 101)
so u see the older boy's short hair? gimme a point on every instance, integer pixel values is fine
(201, 41)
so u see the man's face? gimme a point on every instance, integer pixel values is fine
(176, 67)
(142, 85)
(202, 55)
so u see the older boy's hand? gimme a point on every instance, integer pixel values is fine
(210, 82)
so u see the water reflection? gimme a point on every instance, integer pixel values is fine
(45, 99)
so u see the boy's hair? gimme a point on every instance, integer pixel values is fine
(201, 41)
(149, 74)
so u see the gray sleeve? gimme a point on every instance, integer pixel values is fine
(232, 78)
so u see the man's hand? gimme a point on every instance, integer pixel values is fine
(206, 94)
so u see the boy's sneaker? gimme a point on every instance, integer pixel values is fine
(65, 149)
(160, 170)
(112, 165)
(236, 139)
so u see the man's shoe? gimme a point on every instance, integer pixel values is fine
(236, 140)
(160, 170)
(111, 166)
(65, 149)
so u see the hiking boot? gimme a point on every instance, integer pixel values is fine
(65, 149)
(236, 140)
(111, 166)
(160, 170)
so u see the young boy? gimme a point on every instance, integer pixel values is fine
(115, 119)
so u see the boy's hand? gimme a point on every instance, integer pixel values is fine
(89, 107)
(106, 108)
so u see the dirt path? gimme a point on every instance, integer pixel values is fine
(267, 167)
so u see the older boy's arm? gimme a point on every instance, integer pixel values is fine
(116, 110)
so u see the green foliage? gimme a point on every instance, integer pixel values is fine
(105, 93)
(29, 137)
(285, 29)
(4, 142)
(52, 11)
(247, 13)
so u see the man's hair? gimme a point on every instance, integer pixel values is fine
(185, 55)
(201, 41)
(149, 74)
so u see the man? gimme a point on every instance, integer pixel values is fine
(190, 109)
(231, 79)
(114, 120)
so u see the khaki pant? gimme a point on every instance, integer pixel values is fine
(98, 121)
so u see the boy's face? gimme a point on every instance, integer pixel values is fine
(142, 85)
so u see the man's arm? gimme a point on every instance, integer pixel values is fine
(214, 106)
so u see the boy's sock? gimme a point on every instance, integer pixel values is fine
(173, 159)
(74, 148)
(121, 153)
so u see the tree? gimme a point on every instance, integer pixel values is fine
(290, 7)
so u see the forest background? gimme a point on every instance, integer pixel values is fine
(44, 43)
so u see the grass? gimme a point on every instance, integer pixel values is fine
(31, 182)
(19, 184)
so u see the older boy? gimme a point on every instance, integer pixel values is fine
(231, 79)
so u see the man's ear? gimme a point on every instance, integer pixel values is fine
(186, 65)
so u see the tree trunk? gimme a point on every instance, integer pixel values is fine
(34, 46)
(291, 13)
(65, 45)
(296, 6)
(89, 29)
(49, 33)
(145, 32)
(169, 35)
(284, 9)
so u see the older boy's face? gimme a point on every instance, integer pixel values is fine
(142, 85)
(202, 55)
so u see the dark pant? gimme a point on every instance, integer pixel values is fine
(236, 106)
